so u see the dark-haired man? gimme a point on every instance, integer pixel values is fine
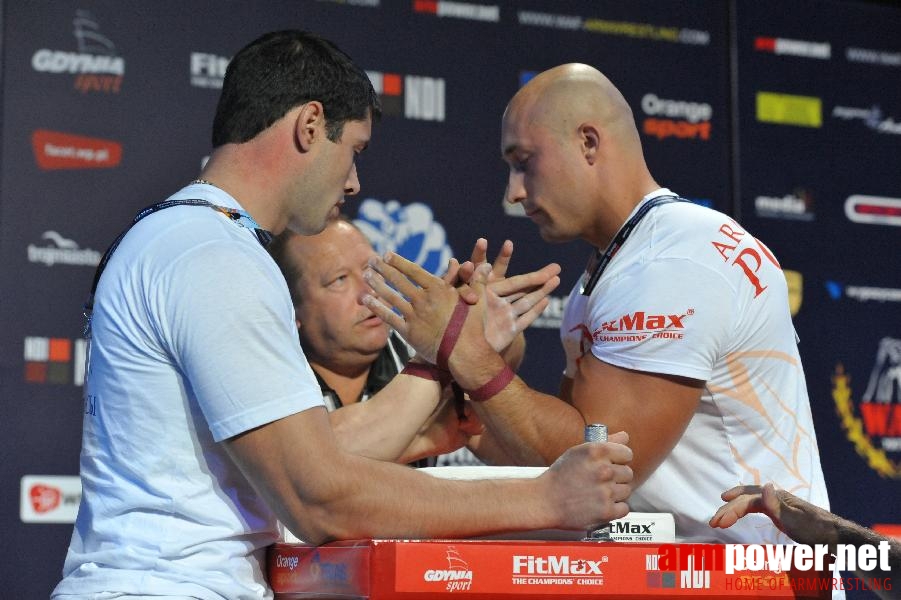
(204, 424)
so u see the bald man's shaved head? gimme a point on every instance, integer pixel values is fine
(575, 154)
(563, 97)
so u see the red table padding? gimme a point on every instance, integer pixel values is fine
(494, 570)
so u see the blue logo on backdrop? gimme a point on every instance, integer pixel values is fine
(526, 76)
(835, 289)
(410, 231)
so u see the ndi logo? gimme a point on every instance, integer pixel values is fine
(410, 231)
(413, 96)
(54, 360)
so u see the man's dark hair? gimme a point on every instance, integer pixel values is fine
(284, 69)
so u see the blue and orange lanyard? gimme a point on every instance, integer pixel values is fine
(239, 217)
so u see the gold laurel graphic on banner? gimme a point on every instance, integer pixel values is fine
(876, 458)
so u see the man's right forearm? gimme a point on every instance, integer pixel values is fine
(533, 428)
(389, 501)
(383, 427)
(372, 506)
(322, 493)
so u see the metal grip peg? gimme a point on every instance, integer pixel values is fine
(596, 432)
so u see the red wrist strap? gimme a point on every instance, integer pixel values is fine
(430, 372)
(494, 386)
(451, 333)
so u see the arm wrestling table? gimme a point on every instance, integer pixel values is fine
(520, 569)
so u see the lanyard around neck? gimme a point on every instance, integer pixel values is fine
(598, 262)
(239, 217)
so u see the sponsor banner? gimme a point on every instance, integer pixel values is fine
(862, 293)
(644, 527)
(441, 568)
(58, 250)
(882, 58)
(208, 70)
(871, 117)
(458, 10)
(892, 530)
(797, 206)
(795, 282)
(679, 119)
(364, 3)
(802, 48)
(95, 65)
(873, 210)
(59, 361)
(410, 96)
(630, 29)
(411, 231)
(872, 420)
(49, 498)
(56, 150)
(787, 109)
(538, 569)
(336, 569)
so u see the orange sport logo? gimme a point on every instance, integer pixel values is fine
(676, 118)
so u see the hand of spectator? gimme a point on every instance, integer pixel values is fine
(798, 519)
(590, 482)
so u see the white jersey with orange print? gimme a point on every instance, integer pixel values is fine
(692, 294)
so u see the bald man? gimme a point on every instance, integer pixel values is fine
(679, 330)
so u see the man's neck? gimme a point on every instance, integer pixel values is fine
(616, 213)
(348, 384)
(254, 174)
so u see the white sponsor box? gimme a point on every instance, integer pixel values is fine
(49, 498)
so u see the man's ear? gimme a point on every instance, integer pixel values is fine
(591, 142)
(310, 125)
